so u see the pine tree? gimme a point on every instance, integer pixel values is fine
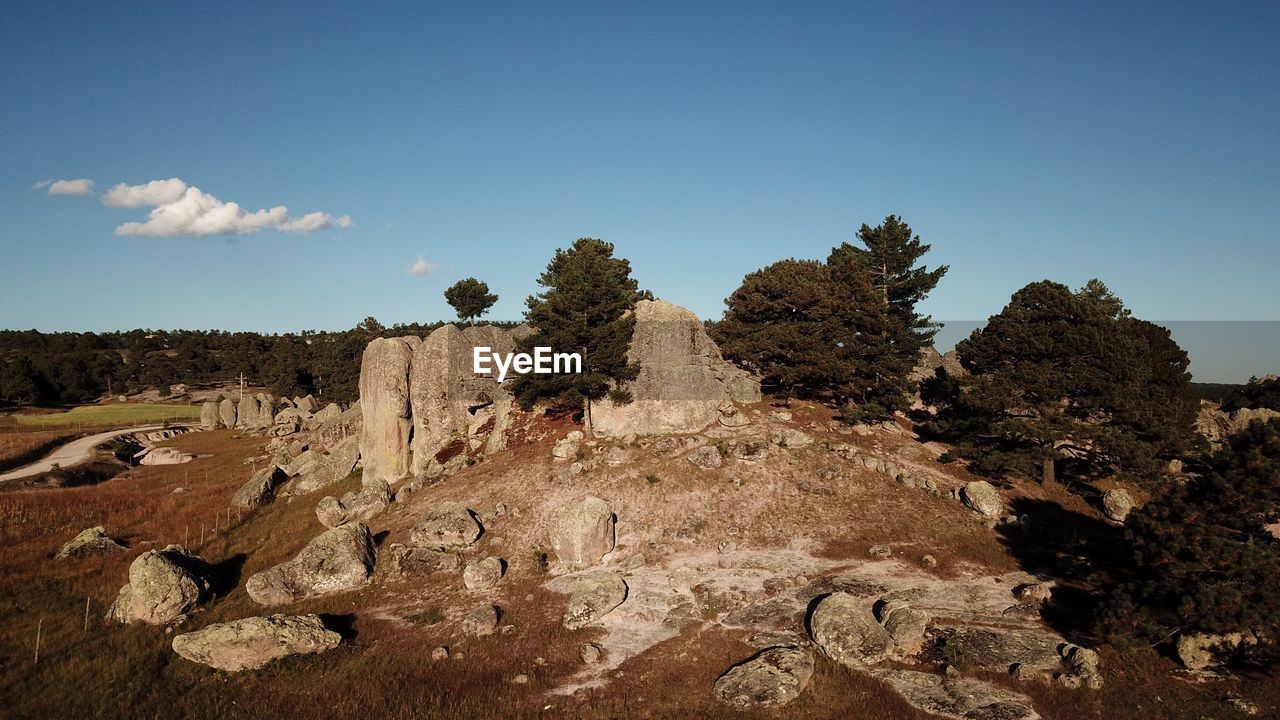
(1062, 377)
(583, 308)
(1203, 559)
(469, 298)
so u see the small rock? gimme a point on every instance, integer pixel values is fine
(481, 621)
(448, 525)
(981, 497)
(482, 574)
(590, 653)
(520, 679)
(928, 561)
(440, 653)
(880, 551)
(705, 457)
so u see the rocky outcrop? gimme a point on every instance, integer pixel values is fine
(981, 497)
(256, 412)
(227, 414)
(165, 456)
(253, 642)
(93, 541)
(415, 562)
(335, 428)
(316, 471)
(905, 624)
(1212, 423)
(581, 532)
(843, 626)
(595, 595)
(384, 403)
(260, 489)
(327, 413)
(683, 380)
(164, 585)
(958, 698)
(1116, 504)
(355, 506)
(482, 574)
(454, 409)
(1240, 419)
(773, 677)
(480, 621)
(1197, 651)
(335, 561)
(449, 525)
(209, 415)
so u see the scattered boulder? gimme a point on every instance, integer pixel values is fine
(227, 413)
(581, 532)
(316, 471)
(706, 457)
(355, 506)
(1116, 504)
(958, 698)
(165, 456)
(999, 650)
(1197, 651)
(164, 585)
(250, 643)
(306, 404)
(905, 624)
(209, 415)
(595, 595)
(481, 621)
(415, 562)
(326, 414)
(449, 525)
(683, 380)
(590, 653)
(773, 677)
(260, 489)
(384, 402)
(1086, 668)
(750, 449)
(843, 626)
(981, 497)
(732, 417)
(567, 447)
(482, 574)
(337, 560)
(93, 541)
(791, 438)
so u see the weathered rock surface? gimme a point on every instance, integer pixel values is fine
(250, 643)
(683, 379)
(1241, 418)
(960, 698)
(706, 457)
(165, 456)
(316, 471)
(981, 497)
(843, 626)
(209, 415)
(905, 624)
(355, 506)
(93, 541)
(326, 414)
(404, 561)
(227, 415)
(337, 560)
(581, 532)
(999, 650)
(791, 438)
(384, 403)
(449, 525)
(773, 677)
(260, 489)
(481, 621)
(1197, 651)
(164, 585)
(482, 574)
(595, 595)
(1116, 504)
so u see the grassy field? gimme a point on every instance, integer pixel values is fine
(108, 415)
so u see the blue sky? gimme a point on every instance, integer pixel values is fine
(1136, 143)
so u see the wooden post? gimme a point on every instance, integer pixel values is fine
(39, 627)
(186, 536)
(201, 534)
(86, 613)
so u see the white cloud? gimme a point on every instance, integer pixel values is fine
(79, 186)
(422, 268)
(182, 209)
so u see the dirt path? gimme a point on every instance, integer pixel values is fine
(73, 453)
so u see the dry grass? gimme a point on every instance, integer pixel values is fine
(20, 446)
(107, 416)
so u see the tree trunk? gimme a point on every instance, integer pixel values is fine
(1047, 474)
(586, 418)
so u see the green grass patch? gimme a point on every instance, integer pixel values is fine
(107, 415)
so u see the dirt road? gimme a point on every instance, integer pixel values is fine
(73, 453)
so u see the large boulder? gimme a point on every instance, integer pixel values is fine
(355, 506)
(1241, 418)
(956, 697)
(482, 574)
(581, 532)
(336, 428)
(1197, 651)
(905, 624)
(164, 585)
(683, 379)
(449, 525)
(316, 471)
(227, 415)
(981, 497)
(250, 643)
(247, 412)
(165, 456)
(1212, 423)
(1117, 504)
(260, 489)
(209, 415)
(595, 595)
(452, 404)
(773, 677)
(384, 404)
(93, 541)
(306, 404)
(326, 414)
(335, 561)
(843, 626)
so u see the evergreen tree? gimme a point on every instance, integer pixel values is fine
(1203, 559)
(583, 308)
(1264, 393)
(1062, 377)
(469, 298)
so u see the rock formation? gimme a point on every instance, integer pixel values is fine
(595, 595)
(843, 626)
(450, 525)
(683, 379)
(227, 415)
(209, 415)
(581, 532)
(250, 643)
(981, 497)
(260, 489)
(164, 585)
(336, 560)
(355, 506)
(1116, 504)
(384, 403)
(93, 541)
(315, 471)
(773, 677)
